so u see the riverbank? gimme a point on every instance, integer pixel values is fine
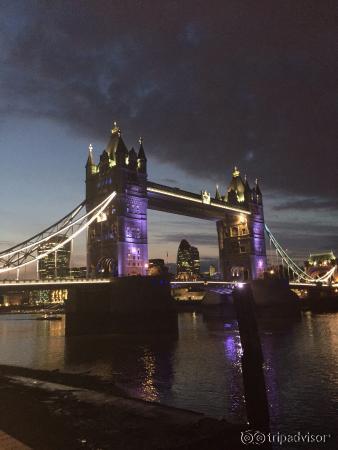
(50, 410)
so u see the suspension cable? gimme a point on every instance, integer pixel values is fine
(97, 210)
(302, 275)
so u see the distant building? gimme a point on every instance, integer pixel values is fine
(55, 264)
(320, 263)
(195, 258)
(78, 272)
(47, 296)
(157, 267)
(325, 259)
(188, 261)
(13, 299)
(212, 270)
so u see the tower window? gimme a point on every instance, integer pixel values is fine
(234, 231)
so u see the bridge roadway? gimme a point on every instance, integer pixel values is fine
(241, 284)
(22, 285)
(301, 285)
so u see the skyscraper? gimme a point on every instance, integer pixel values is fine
(188, 261)
(55, 264)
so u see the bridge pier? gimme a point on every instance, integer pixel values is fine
(126, 305)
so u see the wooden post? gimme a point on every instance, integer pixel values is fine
(252, 360)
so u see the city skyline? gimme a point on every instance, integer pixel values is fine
(62, 87)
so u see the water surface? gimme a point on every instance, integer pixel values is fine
(200, 369)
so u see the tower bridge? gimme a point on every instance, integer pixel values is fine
(114, 215)
(118, 241)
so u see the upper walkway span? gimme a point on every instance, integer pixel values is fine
(178, 201)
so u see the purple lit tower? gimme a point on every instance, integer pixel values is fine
(117, 241)
(242, 252)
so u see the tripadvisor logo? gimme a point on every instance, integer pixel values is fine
(259, 437)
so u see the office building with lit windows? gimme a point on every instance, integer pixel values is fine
(188, 261)
(55, 264)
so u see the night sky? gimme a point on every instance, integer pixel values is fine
(209, 85)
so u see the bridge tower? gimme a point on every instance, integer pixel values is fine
(117, 242)
(242, 252)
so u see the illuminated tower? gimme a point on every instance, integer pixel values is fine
(117, 241)
(241, 237)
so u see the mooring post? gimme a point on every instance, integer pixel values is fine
(257, 406)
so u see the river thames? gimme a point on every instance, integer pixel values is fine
(199, 369)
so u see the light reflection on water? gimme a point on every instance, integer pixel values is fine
(201, 368)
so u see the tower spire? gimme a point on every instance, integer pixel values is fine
(217, 194)
(247, 190)
(141, 153)
(90, 161)
(235, 172)
(115, 129)
(257, 188)
(141, 157)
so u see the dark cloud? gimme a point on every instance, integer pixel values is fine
(209, 84)
(299, 247)
(308, 204)
(170, 181)
(304, 229)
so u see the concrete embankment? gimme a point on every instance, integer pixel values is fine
(52, 410)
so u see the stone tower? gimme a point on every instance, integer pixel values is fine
(242, 252)
(117, 241)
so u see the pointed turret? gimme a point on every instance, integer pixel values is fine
(237, 185)
(118, 150)
(113, 140)
(141, 157)
(247, 190)
(141, 153)
(256, 193)
(104, 162)
(257, 188)
(235, 172)
(218, 196)
(117, 146)
(90, 162)
(132, 159)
